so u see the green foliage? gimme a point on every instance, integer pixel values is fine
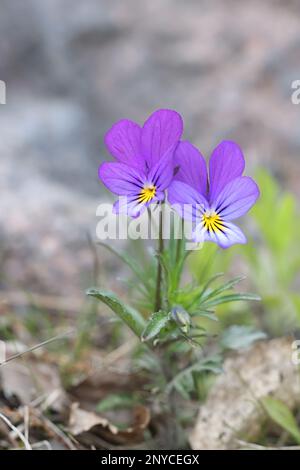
(200, 299)
(176, 338)
(115, 401)
(274, 257)
(281, 415)
(271, 259)
(127, 314)
(239, 336)
(276, 217)
(156, 323)
(184, 382)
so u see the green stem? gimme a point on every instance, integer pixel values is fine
(179, 243)
(174, 434)
(159, 268)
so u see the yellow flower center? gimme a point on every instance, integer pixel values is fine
(147, 194)
(212, 222)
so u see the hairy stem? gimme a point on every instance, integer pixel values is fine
(159, 269)
(174, 434)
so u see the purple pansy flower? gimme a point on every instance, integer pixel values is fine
(144, 168)
(212, 203)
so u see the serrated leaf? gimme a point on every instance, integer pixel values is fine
(281, 415)
(127, 314)
(238, 337)
(156, 323)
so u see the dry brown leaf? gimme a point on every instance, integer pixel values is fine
(29, 380)
(92, 390)
(82, 421)
(86, 425)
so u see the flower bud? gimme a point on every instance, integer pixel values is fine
(182, 318)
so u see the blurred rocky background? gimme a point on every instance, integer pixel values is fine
(73, 67)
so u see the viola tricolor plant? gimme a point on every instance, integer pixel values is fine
(152, 165)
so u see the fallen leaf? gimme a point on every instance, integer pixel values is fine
(30, 380)
(87, 425)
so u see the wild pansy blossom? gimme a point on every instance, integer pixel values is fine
(144, 165)
(212, 203)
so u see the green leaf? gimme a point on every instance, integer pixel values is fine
(182, 389)
(127, 314)
(115, 401)
(156, 323)
(209, 282)
(281, 415)
(206, 365)
(228, 285)
(238, 337)
(204, 314)
(230, 298)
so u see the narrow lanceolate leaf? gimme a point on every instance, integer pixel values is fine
(205, 314)
(229, 298)
(281, 415)
(202, 292)
(209, 282)
(127, 314)
(156, 323)
(228, 285)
